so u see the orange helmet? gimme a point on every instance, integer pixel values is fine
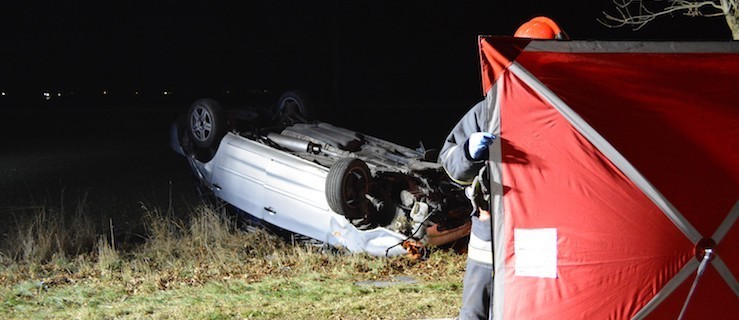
(540, 28)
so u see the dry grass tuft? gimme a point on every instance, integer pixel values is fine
(50, 232)
(108, 259)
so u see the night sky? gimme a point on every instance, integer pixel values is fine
(355, 50)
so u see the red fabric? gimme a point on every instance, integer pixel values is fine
(675, 118)
(497, 57)
(605, 225)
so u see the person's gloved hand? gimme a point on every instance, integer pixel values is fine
(478, 143)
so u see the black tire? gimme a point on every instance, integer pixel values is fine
(294, 105)
(205, 123)
(347, 184)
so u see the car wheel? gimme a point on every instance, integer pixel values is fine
(347, 184)
(293, 106)
(204, 123)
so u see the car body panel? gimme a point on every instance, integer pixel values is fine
(273, 185)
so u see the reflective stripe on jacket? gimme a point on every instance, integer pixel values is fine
(480, 247)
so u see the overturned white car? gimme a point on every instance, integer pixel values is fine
(331, 184)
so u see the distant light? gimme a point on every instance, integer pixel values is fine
(228, 91)
(136, 93)
(105, 92)
(2, 93)
(165, 92)
(58, 94)
(47, 95)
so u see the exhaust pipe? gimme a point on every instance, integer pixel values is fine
(294, 144)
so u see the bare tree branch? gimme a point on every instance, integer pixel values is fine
(637, 13)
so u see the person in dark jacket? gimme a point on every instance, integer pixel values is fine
(464, 156)
(471, 158)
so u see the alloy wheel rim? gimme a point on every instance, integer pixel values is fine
(202, 123)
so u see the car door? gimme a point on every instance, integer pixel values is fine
(240, 173)
(295, 193)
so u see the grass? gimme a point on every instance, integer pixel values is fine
(204, 267)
